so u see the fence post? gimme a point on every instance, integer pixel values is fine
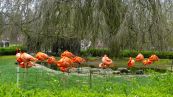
(90, 78)
(17, 76)
(171, 65)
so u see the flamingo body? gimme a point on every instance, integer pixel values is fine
(41, 56)
(78, 60)
(139, 57)
(131, 62)
(51, 60)
(154, 58)
(67, 54)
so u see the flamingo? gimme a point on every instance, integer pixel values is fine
(41, 56)
(147, 62)
(51, 60)
(106, 61)
(24, 60)
(64, 63)
(154, 58)
(131, 62)
(139, 57)
(78, 59)
(26, 57)
(67, 54)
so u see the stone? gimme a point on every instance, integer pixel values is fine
(123, 70)
(140, 72)
(116, 72)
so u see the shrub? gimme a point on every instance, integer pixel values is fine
(133, 53)
(95, 52)
(10, 50)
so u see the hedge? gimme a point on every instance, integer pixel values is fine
(95, 52)
(10, 50)
(100, 52)
(160, 54)
(127, 53)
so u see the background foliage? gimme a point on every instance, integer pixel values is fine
(119, 24)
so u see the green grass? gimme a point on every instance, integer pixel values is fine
(7, 68)
(8, 73)
(155, 86)
(45, 84)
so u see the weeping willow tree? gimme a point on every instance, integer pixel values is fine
(1, 24)
(120, 24)
(114, 13)
(99, 19)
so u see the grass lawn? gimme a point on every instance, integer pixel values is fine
(7, 68)
(45, 84)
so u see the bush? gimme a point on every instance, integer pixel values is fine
(10, 50)
(95, 52)
(126, 53)
(133, 53)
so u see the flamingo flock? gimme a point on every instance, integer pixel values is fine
(140, 58)
(67, 59)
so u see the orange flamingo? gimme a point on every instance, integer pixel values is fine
(41, 56)
(25, 59)
(139, 57)
(78, 60)
(67, 54)
(131, 62)
(51, 60)
(147, 62)
(64, 63)
(106, 61)
(154, 58)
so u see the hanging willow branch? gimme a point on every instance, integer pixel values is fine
(120, 24)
